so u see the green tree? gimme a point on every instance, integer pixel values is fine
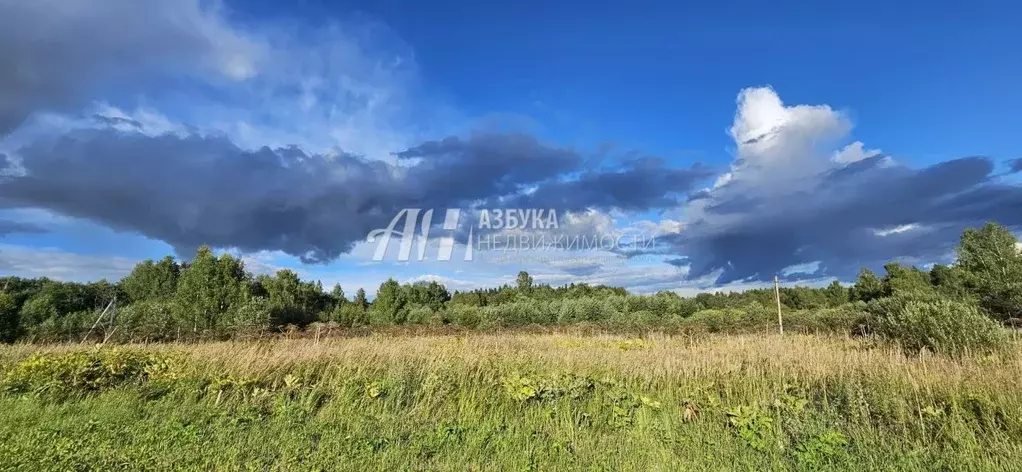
(152, 280)
(901, 280)
(803, 298)
(209, 287)
(524, 282)
(942, 326)
(57, 299)
(949, 281)
(867, 287)
(387, 305)
(836, 294)
(9, 319)
(293, 301)
(337, 295)
(360, 299)
(430, 294)
(992, 269)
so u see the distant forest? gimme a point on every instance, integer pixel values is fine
(213, 297)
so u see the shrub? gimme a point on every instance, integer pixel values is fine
(635, 319)
(465, 315)
(847, 318)
(252, 317)
(522, 311)
(712, 320)
(941, 326)
(151, 320)
(63, 328)
(350, 314)
(584, 309)
(84, 372)
(419, 314)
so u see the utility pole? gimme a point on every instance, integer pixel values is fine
(777, 294)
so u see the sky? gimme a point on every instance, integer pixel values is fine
(735, 140)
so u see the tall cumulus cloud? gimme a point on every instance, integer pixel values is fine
(795, 196)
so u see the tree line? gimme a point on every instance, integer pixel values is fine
(214, 297)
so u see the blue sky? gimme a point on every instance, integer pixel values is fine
(659, 75)
(823, 136)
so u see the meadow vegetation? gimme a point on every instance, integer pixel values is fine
(510, 402)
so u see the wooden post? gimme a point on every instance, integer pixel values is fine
(777, 294)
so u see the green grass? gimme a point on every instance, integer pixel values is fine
(509, 402)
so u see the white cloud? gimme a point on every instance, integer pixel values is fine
(62, 265)
(349, 86)
(775, 139)
(451, 283)
(780, 150)
(895, 230)
(853, 153)
(352, 85)
(804, 268)
(57, 52)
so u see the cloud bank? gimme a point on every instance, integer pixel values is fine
(191, 190)
(269, 138)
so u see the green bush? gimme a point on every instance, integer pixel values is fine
(252, 317)
(150, 320)
(635, 319)
(522, 311)
(848, 318)
(664, 305)
(730, 320)
(419, 314)
(465, 315)
(350, 314)
(941, 326)
(584, 309)
(84, 372)
(63, 328)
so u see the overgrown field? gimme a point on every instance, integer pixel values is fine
(509, 402)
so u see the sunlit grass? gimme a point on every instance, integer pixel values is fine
(526, 402)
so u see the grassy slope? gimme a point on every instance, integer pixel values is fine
(529, 402)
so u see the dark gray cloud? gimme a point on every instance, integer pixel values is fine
(1015, 166)
(854, 218)
(636, 185)
(113, 121)
(57, 55)
(485, 166)
(191, 190)
(578, 267)
(10, 226)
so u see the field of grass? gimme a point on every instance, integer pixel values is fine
(509, 402)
